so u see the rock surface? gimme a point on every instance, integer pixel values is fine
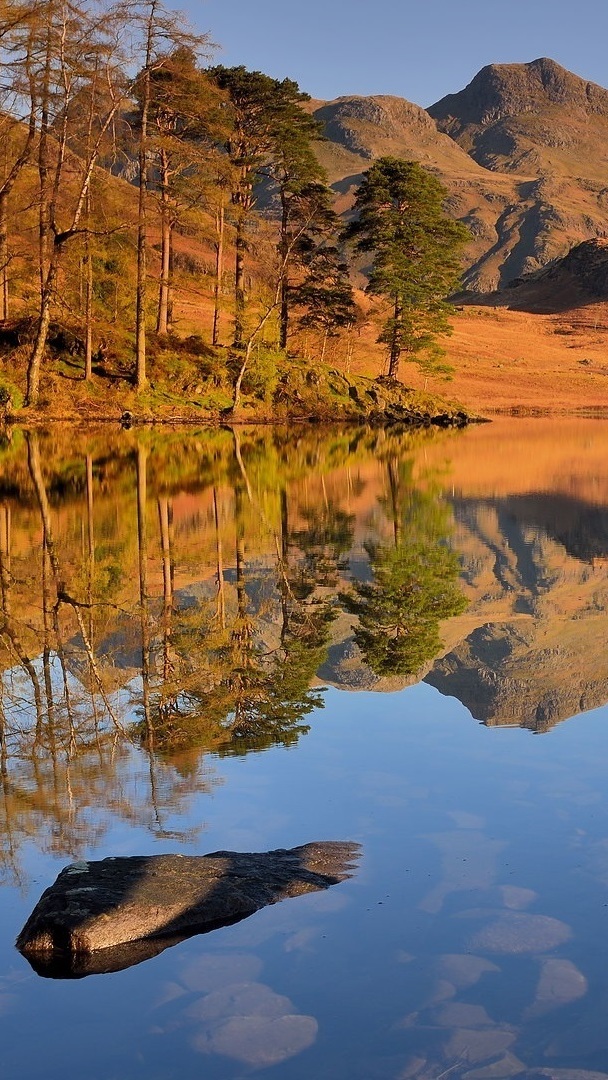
(148, 899)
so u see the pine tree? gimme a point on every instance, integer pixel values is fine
(414, 585)
(416, 247)
(324, 296)
(270, 141)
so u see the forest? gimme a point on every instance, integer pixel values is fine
(167, 230)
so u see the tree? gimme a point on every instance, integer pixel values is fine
(304, 197)
(163, 36)
(18, 120)
(315, 276)
(66, 46)
(186, 119)
(325, 294)
(414, 584)
(270, 140)
(416, 246)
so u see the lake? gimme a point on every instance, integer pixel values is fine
(255, 639)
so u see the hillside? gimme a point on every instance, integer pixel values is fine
(359, 130)
(539, 344)
(548, 128)
(522, 151)
(578, 278)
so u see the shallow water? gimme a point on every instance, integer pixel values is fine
(208, 643)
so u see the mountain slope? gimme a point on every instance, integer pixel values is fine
(549, 127)
(523, 151)
(360, 129)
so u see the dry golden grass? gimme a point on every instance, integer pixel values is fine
(514, 361)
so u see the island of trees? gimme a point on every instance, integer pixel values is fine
(135, 172)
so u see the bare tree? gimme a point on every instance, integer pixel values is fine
(18, 119)
(69, 44)
(163, 33)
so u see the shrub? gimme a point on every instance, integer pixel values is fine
(10, 395)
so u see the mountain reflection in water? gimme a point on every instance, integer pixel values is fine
(225, 640)
(191, 592)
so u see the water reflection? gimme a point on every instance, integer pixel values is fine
(413, 586)
(534, 564)
(172, 602)
(189, 594)
(181, 592)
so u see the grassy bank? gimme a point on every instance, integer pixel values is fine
(189, 381)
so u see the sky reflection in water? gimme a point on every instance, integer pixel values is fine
(471, 939)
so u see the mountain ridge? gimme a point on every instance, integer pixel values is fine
(521, 150)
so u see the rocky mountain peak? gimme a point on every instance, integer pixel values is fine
(503, 90)
(356, 122)
(522, 151)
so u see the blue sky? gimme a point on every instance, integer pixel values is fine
(419, 50)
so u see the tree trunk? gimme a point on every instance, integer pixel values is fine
(241, 592)
(3, 255)
(8, 627)
(88, 297)
(90, 565)
(284, 553)
(221, 592)
(395, 347)
(162, 317)
(171, 279)
(44, 165)
(11, 175)
(219, 271)
(140, 292)
(165, 514)
(239, 282)
(283, 250)
(37, 355)
(393, 482)
(142, 224)
(349, 350)
(142, 547)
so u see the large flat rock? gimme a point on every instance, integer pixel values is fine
(94, 906)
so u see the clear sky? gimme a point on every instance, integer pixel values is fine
(417, 49)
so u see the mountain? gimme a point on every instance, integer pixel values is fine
(360, 129)
(523, 151)
(533, 119)
(548, 127)
(578, 278)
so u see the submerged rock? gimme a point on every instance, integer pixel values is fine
(251, 1023)
(560, 983)
(148, 899)
(517, 932)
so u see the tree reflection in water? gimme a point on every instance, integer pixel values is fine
(177, 594)
(414, 585)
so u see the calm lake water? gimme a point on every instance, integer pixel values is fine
(257, 639)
